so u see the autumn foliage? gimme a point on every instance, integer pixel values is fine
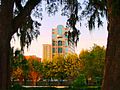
(25, 68)
(90, 63)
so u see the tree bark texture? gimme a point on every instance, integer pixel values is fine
(8, 26)
(4, 63)
(112, 60)
(6, 16)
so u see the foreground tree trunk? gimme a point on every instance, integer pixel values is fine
(112, 64)
(4, 63)
(6, 16)
(5, 38)
(8, 26)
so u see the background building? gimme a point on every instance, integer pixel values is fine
(60, 41)
(47, 52)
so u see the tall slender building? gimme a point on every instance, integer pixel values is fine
(47, 52)
(60, 41)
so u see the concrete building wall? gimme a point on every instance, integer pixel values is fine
(60, 41)
(47, 52)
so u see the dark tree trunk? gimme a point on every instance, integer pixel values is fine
(112, 61)
(6, 16)
(9, 26)
(5, 38)
(4, 63)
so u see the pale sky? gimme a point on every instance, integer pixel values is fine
(86, 40)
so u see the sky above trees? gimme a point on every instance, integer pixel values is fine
(87, 38)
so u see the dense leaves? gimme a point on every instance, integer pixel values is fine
(94, 10)
(29, 28)
(61, 67)
(25, 68)
(93, 62)
(89, 65)
(10, 25)
(19, 67)
(79, 82)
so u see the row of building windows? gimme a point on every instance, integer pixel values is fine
(59, 50)
(60, 27)
(60, 43)
(63, 36)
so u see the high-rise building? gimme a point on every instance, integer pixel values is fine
(60, 41)
(47, 52)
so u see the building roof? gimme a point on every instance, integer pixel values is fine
(33, 57)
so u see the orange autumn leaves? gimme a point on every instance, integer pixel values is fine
(25, 68)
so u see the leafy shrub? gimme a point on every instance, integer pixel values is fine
(17, 87)
(79, 82)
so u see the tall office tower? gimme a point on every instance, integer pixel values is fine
(47, 52)
(60, 41)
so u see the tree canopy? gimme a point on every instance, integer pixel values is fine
(28, 28)
(93, 61)
(11, 23)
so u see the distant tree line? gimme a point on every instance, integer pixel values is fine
(89, 63)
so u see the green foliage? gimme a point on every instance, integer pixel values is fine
(17, 59)
(22, 68)
(92, 67)
(73, 65)
(19, 66)
(37, 66)
(94, 10)
(79, 82)
(47, 70)
(28, 33)
(93, 61)
(28, 30)
(17, 87)
(61, 67)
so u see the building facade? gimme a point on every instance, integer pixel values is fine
(47, 52)
(60, 44)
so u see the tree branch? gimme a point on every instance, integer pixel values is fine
(18, 5)
(21, 17)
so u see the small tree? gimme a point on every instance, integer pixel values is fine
(93, 62)
(19, 66)
(35, 69)
(72, 66)
(79, 82)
